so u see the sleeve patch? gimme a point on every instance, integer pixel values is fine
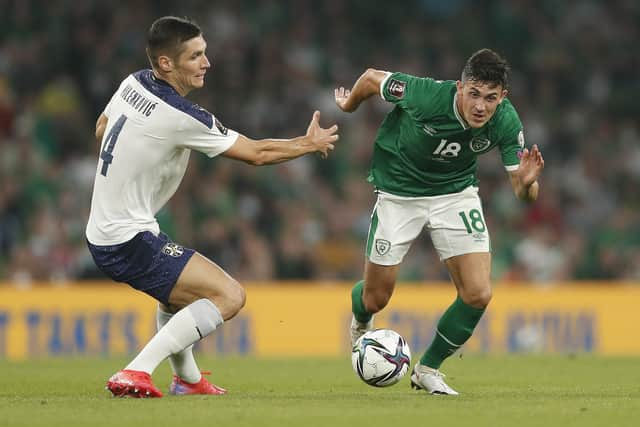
(223, 130)
(521, 139)
(396, 88)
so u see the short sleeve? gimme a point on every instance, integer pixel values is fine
(510, 150)
(510, 136)
(416, 95)
(208, 140)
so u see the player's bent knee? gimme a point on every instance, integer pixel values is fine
(478, 298)
(235, 298)
(229, 296)
(239, 296)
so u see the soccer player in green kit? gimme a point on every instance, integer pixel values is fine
(424, 172)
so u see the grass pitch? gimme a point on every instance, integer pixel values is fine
(507, 391)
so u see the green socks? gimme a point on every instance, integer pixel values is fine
(454, 329)
(357, 306)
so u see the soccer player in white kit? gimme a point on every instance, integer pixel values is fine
(147, 131)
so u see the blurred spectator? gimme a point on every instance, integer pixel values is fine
(575, 83)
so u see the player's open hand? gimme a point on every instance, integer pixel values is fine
(342, 95)
(322, 139)
(531, 165)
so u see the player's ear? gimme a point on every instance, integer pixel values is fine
(459, 85)
(165, 63)
(503, 96)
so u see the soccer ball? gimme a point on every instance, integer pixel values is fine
(381, 357)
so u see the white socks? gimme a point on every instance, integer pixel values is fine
(176, 338)
(183, 363)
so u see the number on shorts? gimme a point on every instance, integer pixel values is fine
(110, 143)
(473, 222)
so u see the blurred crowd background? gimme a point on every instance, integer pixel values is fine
(575, 83)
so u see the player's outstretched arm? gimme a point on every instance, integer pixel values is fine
(270, 151)
(524, 180)
(367, 85)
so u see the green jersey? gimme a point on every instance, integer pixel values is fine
(425, 148)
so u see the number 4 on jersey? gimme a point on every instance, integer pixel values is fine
(110, 143)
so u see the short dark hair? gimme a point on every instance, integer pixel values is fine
(166, 36)
(488, 67)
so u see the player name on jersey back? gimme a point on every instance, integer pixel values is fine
(138, 101)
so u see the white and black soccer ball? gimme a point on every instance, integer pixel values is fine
(381, 357)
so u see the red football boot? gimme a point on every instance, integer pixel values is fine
(128, 383)
(180, 387)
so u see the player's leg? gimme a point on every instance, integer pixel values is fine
(379, 283)
(204, 297)
(471, 275)
(202, 278)
(459, 233)
(371, 295)
(227, 294)
(199, 292)
(183, 364)
(395, 223)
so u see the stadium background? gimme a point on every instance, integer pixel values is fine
(575, 84)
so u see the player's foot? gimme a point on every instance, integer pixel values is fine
(431, 380)
(180, 387)
(129, 383)
(358, 329)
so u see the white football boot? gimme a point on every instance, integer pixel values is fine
(431, 380)
(359, 329)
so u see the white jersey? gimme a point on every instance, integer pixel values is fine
(145, 149)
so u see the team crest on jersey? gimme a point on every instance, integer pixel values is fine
(382, 246)
(173, 250)
(396, 88)
(478, 144)
(223, 130)
(521, 139)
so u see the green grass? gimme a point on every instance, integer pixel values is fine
(515, 391)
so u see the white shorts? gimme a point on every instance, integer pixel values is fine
(455, 222)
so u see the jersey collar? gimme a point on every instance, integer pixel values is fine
(170, 95)
(464, 124)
